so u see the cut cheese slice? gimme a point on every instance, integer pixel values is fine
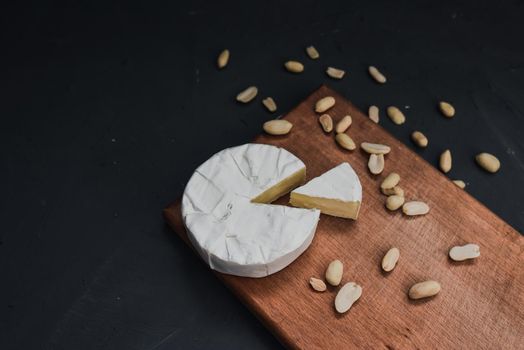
(226, 218)
(337, 192)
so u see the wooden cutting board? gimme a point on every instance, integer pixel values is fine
(481, 305)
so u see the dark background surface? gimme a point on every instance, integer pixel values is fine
(107, 110)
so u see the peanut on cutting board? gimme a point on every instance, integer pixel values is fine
(390, 181)
(397, 190)
(345, 141)
(465, 252)
(334, 272)
(343, 124)
(324, 104)
(415, 208)
(270, 104)
(375, 148)
(277, 127)
(223, 59)
(248, 94)
(389, 261)
(377, 75)
(317, 284)
(394, 202)
(347, 296)
(326, 122)
(488, 162)
(424, 290)
(376, 163)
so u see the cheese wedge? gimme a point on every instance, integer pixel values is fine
(226, 217)
(337, 192)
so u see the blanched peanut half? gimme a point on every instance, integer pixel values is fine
(373, 113)
(326, 122)
(343, 124)
(446, 109)
(277, 127)
(394, 202)
(375, 148)
(460, 183)
(317, 284)
(346, 296)
(324, 104)
(223, 59)
(461, 253)
(390, 181)
(375, 73)
(389, 261)
(419, 139)
(415, 208)
(334, 272)
(424, 290)
(294, 66)
(312, 52)
(345, 142)
(396, 115)
(335, 73)
(397, 190)
(376, 163)
(488, 162)
(248, 94)
(270, 104)
(445, 161)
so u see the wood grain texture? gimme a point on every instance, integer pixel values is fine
(481, 305)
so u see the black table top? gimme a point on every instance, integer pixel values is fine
(106, 111)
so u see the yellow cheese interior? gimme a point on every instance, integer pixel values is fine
(334, 207)
(281, 188)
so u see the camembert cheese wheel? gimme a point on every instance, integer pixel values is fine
(227, 217)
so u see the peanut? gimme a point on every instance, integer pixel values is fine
(334, 272)
(461, 253)
(294, 66)
(394, 202)
(343, 124)
(447, 109)
(317, 284)
(415, 208)
(335, 73)
(389, 261)
(396, 115)
(375, 73)
(312, 52)
(223, 59)
(376, 163)
(488, 162)
(424, 289)
(445, 161)
(346, 296)
(345, 142)
(277, 127)
(326, 122)
(270, 104)
(247, 95)
(324, 104)
(419, 139)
